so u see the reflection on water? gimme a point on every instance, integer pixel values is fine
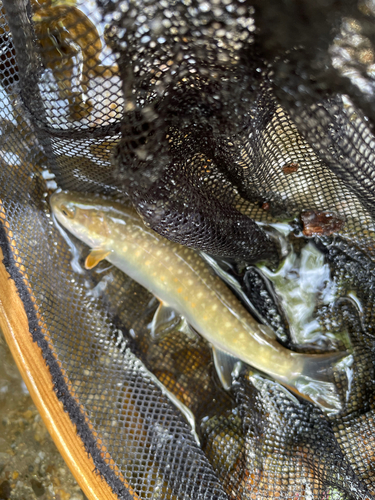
(301, 281)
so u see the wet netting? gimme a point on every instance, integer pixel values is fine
(241, 129)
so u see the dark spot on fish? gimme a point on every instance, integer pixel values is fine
(5, 490)
(321, 223)
(289, 168)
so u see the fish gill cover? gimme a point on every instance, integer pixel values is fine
(220, 121)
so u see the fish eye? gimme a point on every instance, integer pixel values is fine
(68, 212)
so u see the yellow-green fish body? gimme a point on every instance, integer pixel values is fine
(180, 278)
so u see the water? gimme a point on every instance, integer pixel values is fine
(30, 464)
(301, 282)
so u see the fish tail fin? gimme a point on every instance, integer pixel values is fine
(318, 380)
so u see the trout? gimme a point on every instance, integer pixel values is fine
(183, 281)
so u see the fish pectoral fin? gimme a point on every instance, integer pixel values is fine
(95, 256)
(225, 365)
(165, 319)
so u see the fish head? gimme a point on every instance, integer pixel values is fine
(83, 216)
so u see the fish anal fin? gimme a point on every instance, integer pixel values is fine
(225, 365)
(95, 256)
(188, 330)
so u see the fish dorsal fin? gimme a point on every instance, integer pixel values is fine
(225, 365)
(95, 256)
(165, 319)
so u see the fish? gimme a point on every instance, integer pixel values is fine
(183, 281)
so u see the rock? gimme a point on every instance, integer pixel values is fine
(5, 490)
(37, 487)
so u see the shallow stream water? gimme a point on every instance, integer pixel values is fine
(30, 465)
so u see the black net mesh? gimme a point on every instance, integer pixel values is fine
(216, 119)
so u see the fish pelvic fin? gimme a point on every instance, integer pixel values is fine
(164, 320)
(95, 256)
(226, 366)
